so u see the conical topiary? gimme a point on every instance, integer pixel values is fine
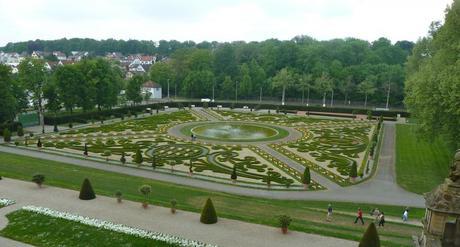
(353, 170)
(86, 191)
(138, 157)
(306, 178)
(208, 215)
(370, 237)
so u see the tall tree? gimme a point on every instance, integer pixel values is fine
(304, 82)
(34, 77)
(68, 80)
(163, 73)
(245, 81)
(433, 80)
(133, 90)
(8, 102)
(283, 79)
(367, 87)
(323, 84)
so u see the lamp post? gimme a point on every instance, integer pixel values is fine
(168, 89)
(260, 95)
(388, 94)
(236, 91)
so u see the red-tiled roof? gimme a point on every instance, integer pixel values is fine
(151, 84)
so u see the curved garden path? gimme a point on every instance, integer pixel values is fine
(381, 189)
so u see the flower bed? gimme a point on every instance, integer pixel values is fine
(116, 227)
(6, 202)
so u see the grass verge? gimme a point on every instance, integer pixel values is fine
(420, 165)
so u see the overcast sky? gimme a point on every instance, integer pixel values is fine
(221, 20)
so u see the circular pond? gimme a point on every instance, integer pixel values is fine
(235, 131)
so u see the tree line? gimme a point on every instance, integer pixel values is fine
(433, 80)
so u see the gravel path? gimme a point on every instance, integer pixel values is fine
(184, 224)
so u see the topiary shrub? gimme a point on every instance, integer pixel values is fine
(85, 150)
(55, 129)
(6, 135)
(284, 221)
(119, 196)
(370, 237)
(233, 176)
(353, 170)
(70, 125)
(306, 178)
(138, 157)
(145, 190)
(39, 143)
(86, 191)
(39, 179)
(20, 130)
(123, 159)
(208, 214)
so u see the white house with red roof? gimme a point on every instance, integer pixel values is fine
(152, 88)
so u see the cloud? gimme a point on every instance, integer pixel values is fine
(221, 20)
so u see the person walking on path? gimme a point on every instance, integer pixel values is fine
(359, 216)
(405, 216)
(381, 219)
(329, 212)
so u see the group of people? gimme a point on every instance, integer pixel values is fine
(376, 213)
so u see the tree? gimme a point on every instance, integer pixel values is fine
(145, 190)
(138, 157)
(133, 90)
(306, 178)
(33, 75)
(162, 73)
(245, 87)
(367, 87)
(304, 83)
(370, 237)
(86, 191)
(38, 179)
(228, 88)
(353, 170)
(6, 135)
(323, 85)
(68, 80)
(8, 102)
(234, 176)
(432, 84)
(53, 102)
(283, 79)
(20, 130)
(208, 214)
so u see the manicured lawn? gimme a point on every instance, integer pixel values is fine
(42, 230)
(256, 210)
(420, 165)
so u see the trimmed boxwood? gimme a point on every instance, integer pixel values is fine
(208, 215)
(370, 237)
(86, 191)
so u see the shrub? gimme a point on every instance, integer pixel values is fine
(16, 143)
(233, 176)
(284, 221)
(370, 237)
(353, 170)
(208, 214)
(369, 115)
(138, 157)
(55, 129)
(38, 179)
(106, 154)
(306, 178)
(119, 196)
(70, 125)
(6, 135)
(123, 159)
(85, 152)
(20, 130)
(173, 206)
(86, 191)
(145, 190)
(39, 143)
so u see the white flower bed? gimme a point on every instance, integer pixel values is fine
(6, 202)
(117, 227)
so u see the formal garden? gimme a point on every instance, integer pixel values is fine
(225, 146)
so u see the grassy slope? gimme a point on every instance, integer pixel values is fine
(42, 230)
(255, 210)
(420, 165)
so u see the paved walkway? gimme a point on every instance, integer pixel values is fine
(381, 189)
(184, 224)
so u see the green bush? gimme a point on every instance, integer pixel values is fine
(20, 130)
(306, 178)
(39, 179)
(208, 214)
(55, 129)
(39, 143)
(353, 170)
(370, 237)
(86, 191)
(138, 157)
(145, 190)
(284, 221)
(234, 176)
(123, 159)
(6, 135)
